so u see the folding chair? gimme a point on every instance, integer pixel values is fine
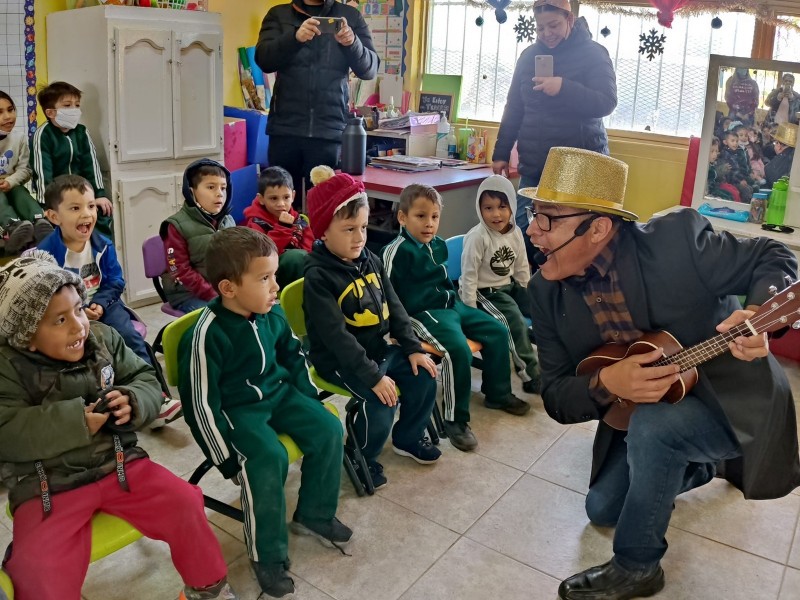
(292, 304)
(109, 534)
(155, 265)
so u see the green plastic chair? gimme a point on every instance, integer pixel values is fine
(109, 534)
(173, 334)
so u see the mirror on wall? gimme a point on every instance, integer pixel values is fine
(752, 105)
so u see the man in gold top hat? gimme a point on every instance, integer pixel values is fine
(785, 143)
(605, 278)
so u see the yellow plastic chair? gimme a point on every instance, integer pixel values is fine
(173, 334)
(109, 534)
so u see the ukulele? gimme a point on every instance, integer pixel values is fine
(776, 313)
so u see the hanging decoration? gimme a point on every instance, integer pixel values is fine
(652, 44)
(499, 9)
(666, 10)
(479, 21)
(525, 29)
(716, 23)
(605, 32)
(690, 8)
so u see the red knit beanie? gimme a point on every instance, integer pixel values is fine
(330, 193)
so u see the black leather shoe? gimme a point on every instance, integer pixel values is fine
(608, 582)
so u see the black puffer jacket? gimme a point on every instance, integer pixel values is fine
(311, 96)
(538, 122)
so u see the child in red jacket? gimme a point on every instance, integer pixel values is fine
(271, 212)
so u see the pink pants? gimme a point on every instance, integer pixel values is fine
(51, 555)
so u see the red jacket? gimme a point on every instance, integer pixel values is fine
(297, 235)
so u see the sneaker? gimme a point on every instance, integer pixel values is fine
(511, 404)
(376, 473)
(534, 386)
(331, 533)
(272, 579)
(41, 229)
(423, 451)
(460, 435)
(20, 237)
(219, 591)
(171, 409)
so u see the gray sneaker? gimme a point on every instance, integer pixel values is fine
(329, 533)
(220, 591)
(460, 435)
(273, 579)
(20, 237)
(41, 229)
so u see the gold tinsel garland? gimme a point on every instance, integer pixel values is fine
(757, 8)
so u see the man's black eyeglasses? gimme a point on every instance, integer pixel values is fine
(545, 222)
(780, 228)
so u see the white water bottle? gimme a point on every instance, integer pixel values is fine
(452, 143)
(442, 131)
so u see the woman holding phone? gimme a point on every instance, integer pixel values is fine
(562, 104)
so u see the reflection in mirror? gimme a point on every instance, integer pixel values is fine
(749, 135)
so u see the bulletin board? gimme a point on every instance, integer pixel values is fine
(387, 21)
(17, 60)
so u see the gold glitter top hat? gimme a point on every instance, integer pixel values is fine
(583, 179)
(787, 134)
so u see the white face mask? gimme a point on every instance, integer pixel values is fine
(68, 118)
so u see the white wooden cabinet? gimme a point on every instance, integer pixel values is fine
(152, 101)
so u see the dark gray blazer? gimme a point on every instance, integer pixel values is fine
(679, 275)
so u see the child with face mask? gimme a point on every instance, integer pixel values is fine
(22, 221)
(62, 146)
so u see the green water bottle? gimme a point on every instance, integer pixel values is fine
(776, 208)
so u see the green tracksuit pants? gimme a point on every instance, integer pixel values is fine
(18, 204)
(264, 464)
(509, 305)
(447, 330)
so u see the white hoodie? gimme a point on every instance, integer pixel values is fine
(490, 258)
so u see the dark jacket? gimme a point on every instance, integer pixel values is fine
(42, 416)
(779, 166)
(349, 309)
(537, 122)
(186, 235)
(311, 95)
(686, 291)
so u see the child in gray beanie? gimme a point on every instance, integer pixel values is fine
(71, 395)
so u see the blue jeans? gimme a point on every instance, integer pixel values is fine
(189, 305)
(118, 317)
(374, 420)
(522, 217)
(669, 449)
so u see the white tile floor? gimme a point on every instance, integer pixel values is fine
(506, 522)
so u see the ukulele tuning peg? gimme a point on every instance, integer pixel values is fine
(788, 279)
(772, 290)
(796, 325)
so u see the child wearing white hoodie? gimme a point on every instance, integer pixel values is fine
(495, 273)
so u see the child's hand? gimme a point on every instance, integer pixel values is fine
(104, 204)
(120, 406)
(93, 312)
(286, 218)
(386, 391)
(4, 185)
(94, 421)
(418, 359)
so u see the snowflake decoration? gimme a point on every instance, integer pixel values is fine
(525, 28)
(652, 44)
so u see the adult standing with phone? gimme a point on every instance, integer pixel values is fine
(562, 107)
(308, 111)
(784, 102)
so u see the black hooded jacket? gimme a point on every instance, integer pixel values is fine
(574, 117)
(311, 96)
(349, 309)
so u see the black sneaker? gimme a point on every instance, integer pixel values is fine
(423, 451)
(534, 386)
(376, 472)
(330, 533)
(41, 229)
(20, 237)
(511, 404)
(272, 579)
(460, 435)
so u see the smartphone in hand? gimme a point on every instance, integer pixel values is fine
(102, 404)
(330, 25)
(543, 65)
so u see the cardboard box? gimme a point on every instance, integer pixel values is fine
(234, 140)
(257, 138)
(421, 144)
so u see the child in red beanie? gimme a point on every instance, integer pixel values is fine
(350, 306)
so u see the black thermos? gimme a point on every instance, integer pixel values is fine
(354, 147)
